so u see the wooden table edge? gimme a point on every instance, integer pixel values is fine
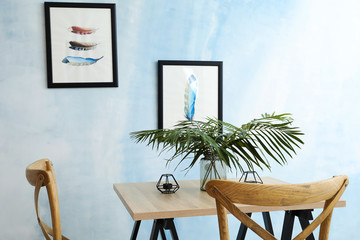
(212, 211)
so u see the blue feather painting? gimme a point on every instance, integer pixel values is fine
(80, 61)
(191, 91)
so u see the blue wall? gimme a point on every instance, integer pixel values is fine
(284, 56)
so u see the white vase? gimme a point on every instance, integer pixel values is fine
(211, 168)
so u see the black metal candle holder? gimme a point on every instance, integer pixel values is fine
(166, 185)
(255, 177)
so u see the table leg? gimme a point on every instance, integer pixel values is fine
(303, 215)
(288, 226)
(135, 230)
(304, 223)
(162, 232)
(242, 230)
(267, 222)
(169, 224)
(155, 230)
(160, 225)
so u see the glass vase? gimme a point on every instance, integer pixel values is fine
(211, 168)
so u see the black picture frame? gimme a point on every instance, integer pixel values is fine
(81, 46)
(172, 78)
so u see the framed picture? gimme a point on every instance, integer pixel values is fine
(81, 45)
(188, 90)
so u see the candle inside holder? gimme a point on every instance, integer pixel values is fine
(167, 186)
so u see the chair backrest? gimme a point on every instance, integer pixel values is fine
(228, 193)
(39, 174)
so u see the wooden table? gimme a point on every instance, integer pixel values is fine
(143, 201)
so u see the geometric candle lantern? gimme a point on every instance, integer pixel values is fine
(167, 184)
(250, 177)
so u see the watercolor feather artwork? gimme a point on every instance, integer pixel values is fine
(80, 61)
(191, 91)
(81, 30)
(82, 46)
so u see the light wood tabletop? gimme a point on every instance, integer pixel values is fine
(143, 201)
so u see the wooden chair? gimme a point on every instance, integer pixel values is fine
(228, 193)
(41, 174)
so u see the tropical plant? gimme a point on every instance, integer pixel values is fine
(271, 136)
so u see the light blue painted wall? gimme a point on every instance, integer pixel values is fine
(285, 56)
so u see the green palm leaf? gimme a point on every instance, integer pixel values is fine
(271, 136)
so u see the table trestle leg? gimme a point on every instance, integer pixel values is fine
(242, 230)
(135, 230)
(304, 217)
(267, 222)
(160, 225)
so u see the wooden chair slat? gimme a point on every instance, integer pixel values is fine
(229, 193)
(41, 174)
